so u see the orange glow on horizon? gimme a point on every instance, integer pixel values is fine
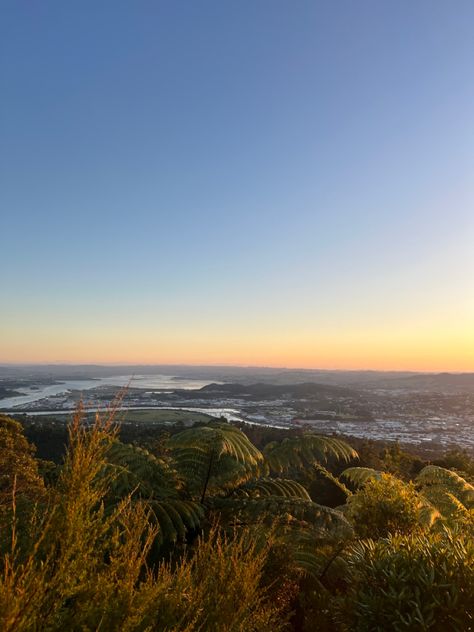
(419, 351)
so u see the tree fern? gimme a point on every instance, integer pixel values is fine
(214, 457)
(307, 531)
(175, 518)
(138, 473)
(304, 451)
(223, 438)
(440, 479)
(428, 513)
(315, 553)
(137, 470)
(359, 476)
(280, 510)
(265, 487)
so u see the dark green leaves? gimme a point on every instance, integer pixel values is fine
(305, 451)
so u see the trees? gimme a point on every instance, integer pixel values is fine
(21, 485)
(204, 531)
(86, 563)
(214, 473)
(18, 467)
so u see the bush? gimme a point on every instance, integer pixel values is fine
(384, 506)
(84, 567)
(414, 582)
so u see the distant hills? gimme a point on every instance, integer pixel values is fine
(263, 391)
(254, 376)
(444, 382)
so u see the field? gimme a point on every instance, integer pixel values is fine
(153, 416)
(149, 416)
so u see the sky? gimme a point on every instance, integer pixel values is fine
(261, 182)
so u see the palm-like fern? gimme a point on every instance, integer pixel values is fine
(175, 518)
(214, 457)
(452, 483)
(305, 451)
(443, 493)
(215, 467)
(244, 487)
(305, 528)
(359, 476)
(265, 487)
(283, 511)
(137, 473)
(451, 494)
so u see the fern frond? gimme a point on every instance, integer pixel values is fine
(222, 438)
(137, 470)
(175, 518)
(334, 479)
(449, 481)
(359, 476)
(307, 450)
(264, 487)
(217, 456)
(191, 463)
(446, 503)
(320, 562)
(309, 562)
(278, 510)
(428, 514)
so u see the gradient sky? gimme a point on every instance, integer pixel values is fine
(254, 182)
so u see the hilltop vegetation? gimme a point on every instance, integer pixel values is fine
(204, 529)
(7, 392)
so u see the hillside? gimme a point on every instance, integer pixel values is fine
(270, 391)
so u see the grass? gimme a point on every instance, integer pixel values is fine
(149, 416)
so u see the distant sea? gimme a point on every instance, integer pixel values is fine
(151, 382)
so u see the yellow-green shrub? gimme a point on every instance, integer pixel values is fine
(383, 506)
(85, 568)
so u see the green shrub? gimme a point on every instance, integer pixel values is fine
(414, 582)
(85, 568)
(383, 506)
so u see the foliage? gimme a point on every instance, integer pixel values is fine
(384, 505)
(214, 457)
(459, 460)
(264, 487)
(305, 451)
(86, 568)
(438, 480)
(359, 476)
(18, 467)
(411, 582)
(21, 485)
(220, 587)
(202, 530)
(136, 470)
(451, 494)
(140, 475)
(76, 548)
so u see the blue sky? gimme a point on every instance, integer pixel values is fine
(237, 176)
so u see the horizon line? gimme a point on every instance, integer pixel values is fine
(229, 366)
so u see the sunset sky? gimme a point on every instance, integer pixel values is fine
(257, 182)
